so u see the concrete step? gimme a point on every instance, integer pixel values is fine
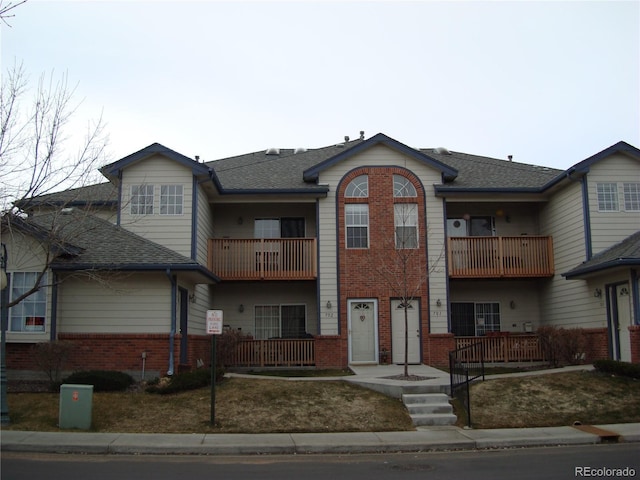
(420, 399)
(429, 409)
(426, 408)
(434, 419)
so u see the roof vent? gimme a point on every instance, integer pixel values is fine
(442, 151)
(346, 138)
(510, 157)
(272, 151)
(299, 150)
(361, 134)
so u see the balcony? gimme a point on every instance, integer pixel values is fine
(263, 259)
(500, 257)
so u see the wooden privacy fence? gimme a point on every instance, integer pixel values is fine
(505, 347)
(263, 258)
(498, 257)
(275, 353)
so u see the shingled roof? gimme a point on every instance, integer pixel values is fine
(279, 172)
(623, 254)
(100, 245)
(484, 173)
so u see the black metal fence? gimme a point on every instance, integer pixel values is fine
(466, 364)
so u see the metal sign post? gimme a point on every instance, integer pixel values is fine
(214, 328)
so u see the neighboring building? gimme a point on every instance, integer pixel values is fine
(332, 245)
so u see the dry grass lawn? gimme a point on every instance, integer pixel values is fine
(553, 400)
(242, 406)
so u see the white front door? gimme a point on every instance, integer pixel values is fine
(398, 331)
(619, 319)
(363, 331)
(624, 320)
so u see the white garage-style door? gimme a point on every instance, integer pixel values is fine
(398, 331)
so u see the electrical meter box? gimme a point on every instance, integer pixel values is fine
(76, 404)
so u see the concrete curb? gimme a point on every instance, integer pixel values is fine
(423, 439)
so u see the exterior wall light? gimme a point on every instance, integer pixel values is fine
(597, 293)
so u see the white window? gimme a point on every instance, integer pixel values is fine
(266, 228)
(607, 197)
(357, 225)
(402, 187)
(406, 225)
(30, 314)
(358, 187)
(470, 319)
(171, 200)
(280, 321)
(141, 199)
(267, 319)
(631, 196)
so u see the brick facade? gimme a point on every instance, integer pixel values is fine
(331, 351)
(375, 272)
(634, 339)
(122, 352)
(597, 344)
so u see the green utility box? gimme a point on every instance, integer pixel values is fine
(76, 403)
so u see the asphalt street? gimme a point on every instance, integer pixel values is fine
(550, 463)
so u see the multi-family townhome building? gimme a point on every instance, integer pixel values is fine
(365, 251)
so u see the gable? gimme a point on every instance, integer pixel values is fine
(114, 170)
(312, 174)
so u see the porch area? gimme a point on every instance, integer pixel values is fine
(500, 257)
(263, 258)
(503, 347)
(274, 353)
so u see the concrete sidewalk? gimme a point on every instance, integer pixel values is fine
(424, 439)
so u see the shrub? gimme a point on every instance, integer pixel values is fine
(102, 380)
(180, 382)
(562, 346)
(615, 367)
(226, 346)
(51, 358)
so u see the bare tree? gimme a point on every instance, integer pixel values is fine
(6, 10)
(402, 265)
(38, 171)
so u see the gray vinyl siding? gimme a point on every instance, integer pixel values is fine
(523, 293)
(229, 297)
(237, 220)
(172, 231)
(328, 275)
(609, 228)
(118, 303)
(566, 302)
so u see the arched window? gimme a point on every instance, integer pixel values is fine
(402, 187)
(358, 187)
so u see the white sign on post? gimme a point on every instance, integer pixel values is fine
(214, 322)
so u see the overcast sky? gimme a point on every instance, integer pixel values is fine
(550, 83)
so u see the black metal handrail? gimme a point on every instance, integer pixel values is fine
(466, 364)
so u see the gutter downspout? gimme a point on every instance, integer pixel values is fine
(172, 333)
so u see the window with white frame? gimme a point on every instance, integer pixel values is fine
(406, 225)
(280, 321)
(171, 200)
(30, 314)
(266, 228)
(358, 187)
(402, 187)
(141, 199)
(631, 193)
(469, 319)
(607, 197)
(357, 225)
